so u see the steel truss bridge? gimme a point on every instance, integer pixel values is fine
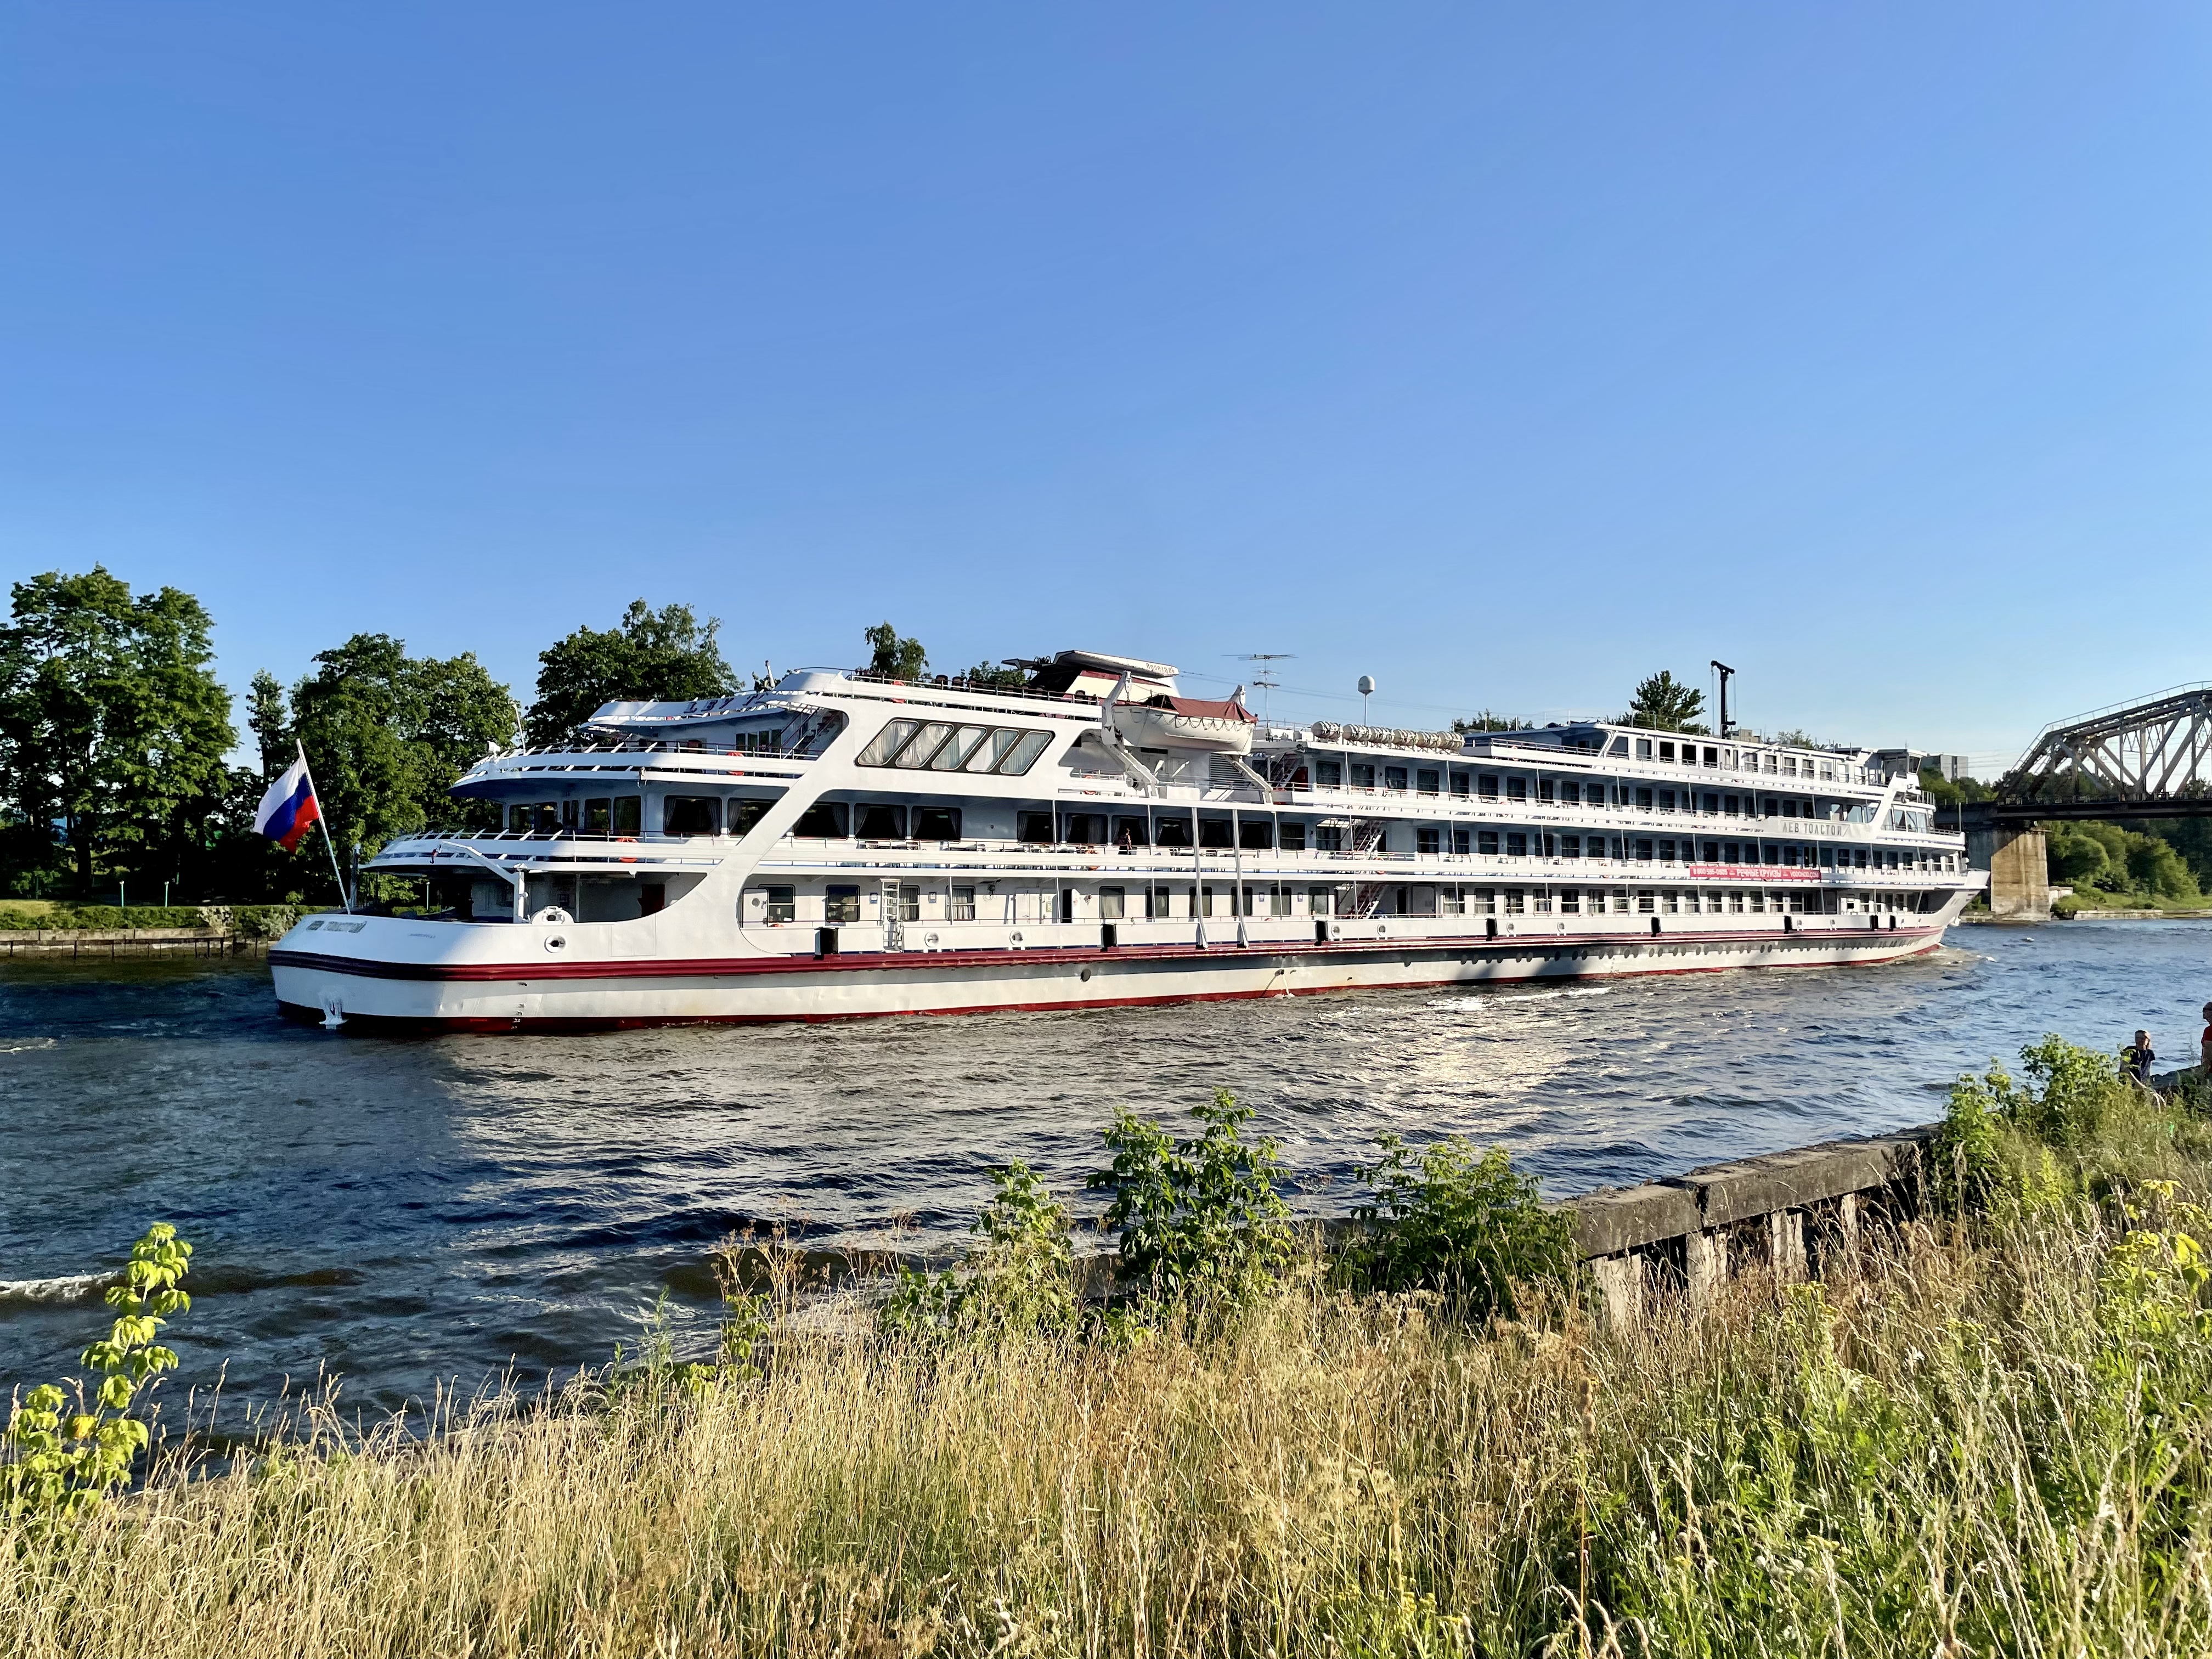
(2151, 758)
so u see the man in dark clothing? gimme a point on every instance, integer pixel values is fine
(2136, 1059)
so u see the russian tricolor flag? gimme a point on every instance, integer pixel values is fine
(290, 806)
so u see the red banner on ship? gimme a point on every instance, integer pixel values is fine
(1755, 872)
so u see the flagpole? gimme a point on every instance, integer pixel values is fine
(324, 823)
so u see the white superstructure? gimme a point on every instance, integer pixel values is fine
(847, 845)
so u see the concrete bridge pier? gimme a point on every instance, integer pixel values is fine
(2020, 881)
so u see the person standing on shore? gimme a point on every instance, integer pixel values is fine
(2204, 1045)
(2137, 1058)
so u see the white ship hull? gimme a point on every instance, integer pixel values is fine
(367, 993)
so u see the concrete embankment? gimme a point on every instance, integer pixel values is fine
(109, 944)
(1786, 1213)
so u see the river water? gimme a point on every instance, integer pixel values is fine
(403, 1213)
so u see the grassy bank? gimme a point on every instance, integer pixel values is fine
(246, 921)
(1990, 1439)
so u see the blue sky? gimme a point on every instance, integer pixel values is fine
(1503, 352)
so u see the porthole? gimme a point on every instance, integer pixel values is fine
(556, 942)
(1086, 976)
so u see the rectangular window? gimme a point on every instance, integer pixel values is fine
(1545, 789)
(1516, 901)
(1644, 801)
(1487, 841)
(1022, 757)
(923, 749)
(879, 822)
(1033, 827)
(1646, 902)
(1666, 852)
(962, 905)
(1362, 776)
(1085, 828)
(824, 821)
(841, 904)
(1330, 838)
(1571, 901)
(1328, 775)
(1459, 783)
(1712, 851)
(1462, 841)
(1643, 851)
(1171, 831)
(1571, 793)
(1451, 902)
(1673, 902)
(1394, 777)
(1428, 839)
(1666, 751)
(1729, 804)
(909, 901)
(1482, 901)
(1428, 782)
(1293, 836)
(598, 815)
(1216, 832)
(1110, 902)
(937, 823)
(1278, 901)
(1516, 788)
(782, 903)
(1644, 749)
(1712, 757)
(520, 818)
(1517, 844)
(629, 815)
(1488, 787)
(1570, 846)
(959, 750)
(1129, 832)
(887, 742)
(1321, 900)
(1256, 833)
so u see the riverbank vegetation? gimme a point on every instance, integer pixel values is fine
(1988, 1437)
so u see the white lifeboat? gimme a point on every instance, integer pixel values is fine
(1164, 722)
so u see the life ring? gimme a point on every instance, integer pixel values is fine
(553, 916)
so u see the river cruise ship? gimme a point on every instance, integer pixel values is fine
(847, 845)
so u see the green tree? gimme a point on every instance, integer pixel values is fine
(269, 717)
(386, 734)
(112, 728)
(1663, 703)
(901, 660)
(1488, 720)
(666, 655)
(996, 676)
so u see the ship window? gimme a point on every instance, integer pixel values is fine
(841, 904)
(927, 742)
(690, 815)
(1666, 751)
(1254, 833)
(1172, 831)
(1729, 804)
(994, 748)
(1033, 826)
(1024, 754)
(1362, 776)
(909, 901)
(1428, 839)
(781, 904)
(1666, 800)
(1712, 804)
(955, 753)
(1292, 837)
(1330, 838)
(1544, 789)
(824, 821)
(1643, 851)
(597, 814)
(887, 742)
(549, 817)
(518, 818)
(1428, 782)
(743, 815)
(1459, 783)
(1516, 788)
(1515, 902)
(1321, 900)
(1085, 829)
(1570, 846)
(1644, 749)
(1666, 852)
(1216, 832)
(882, 822)
(1646, 902)
(1394, 777)
(937, 823)
(1463, 841)
(1330, 773)
(1111, 901)
(1571, 793)
(1644, 801)
(629, 815)
(1516, 845)
(962, 906)
(1129, 832)
(1278, 901)
(1488, 787)
(1486, 841)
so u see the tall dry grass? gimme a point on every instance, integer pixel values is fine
(1993, 1447)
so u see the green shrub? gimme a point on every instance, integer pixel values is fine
(1199, 1221)
(60, 1464)
(1019, 1277)
(1467, 1226)
(265, 920)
